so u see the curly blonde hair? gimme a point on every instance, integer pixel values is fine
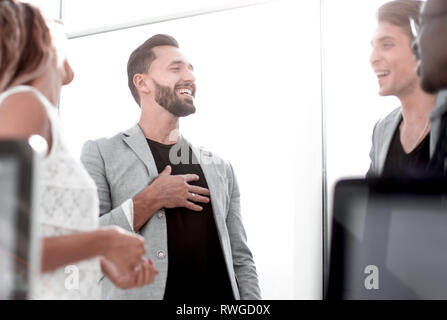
(25, 43)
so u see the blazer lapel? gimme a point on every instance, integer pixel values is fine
(136, 140)
(214, 182)
(388, 134)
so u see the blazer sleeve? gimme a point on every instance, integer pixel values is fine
(93, 161)
(372, 172)
(243, 263)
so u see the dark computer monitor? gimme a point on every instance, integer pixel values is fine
(389, 240)
(16, 172)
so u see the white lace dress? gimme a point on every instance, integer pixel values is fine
(67, 203)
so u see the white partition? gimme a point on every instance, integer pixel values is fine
(258, 105)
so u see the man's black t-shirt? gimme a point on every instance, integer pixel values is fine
(196, 267)
(400, 163)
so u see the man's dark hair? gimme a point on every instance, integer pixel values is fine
(142, 57)
(399, 12)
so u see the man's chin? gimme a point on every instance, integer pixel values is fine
(187, 113)
(384, 92)
(184, 111)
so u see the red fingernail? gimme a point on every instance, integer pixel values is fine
(150, 261)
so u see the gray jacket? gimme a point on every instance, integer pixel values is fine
(123, 165)
(385, 128)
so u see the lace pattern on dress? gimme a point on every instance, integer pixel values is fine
(67, 204)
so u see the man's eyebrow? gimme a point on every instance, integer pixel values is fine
(384, 38)
(381, 39)
(176, 62)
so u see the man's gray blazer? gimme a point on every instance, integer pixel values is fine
(385, 128)
(123, 165)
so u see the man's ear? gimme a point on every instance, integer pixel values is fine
(140, 82)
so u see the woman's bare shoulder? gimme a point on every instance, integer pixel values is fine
(22, 114)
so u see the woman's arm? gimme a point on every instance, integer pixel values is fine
(124, 249)
(121, 255)
(23, 115)
(63, 250)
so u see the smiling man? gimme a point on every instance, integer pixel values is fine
(401, 141)
(184, 201)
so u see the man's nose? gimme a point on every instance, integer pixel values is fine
(189, 76)
(374, 57)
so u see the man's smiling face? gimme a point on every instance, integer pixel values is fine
(392, 60)
(172, 81)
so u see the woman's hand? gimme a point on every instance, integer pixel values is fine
(125, 250)
(142, 275)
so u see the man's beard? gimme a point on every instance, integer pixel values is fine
(168, 99)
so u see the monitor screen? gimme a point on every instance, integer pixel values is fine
(8, 199)
(16, 158)
(388, 240)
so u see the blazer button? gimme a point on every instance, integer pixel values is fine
(161, 254)
(160, 214)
